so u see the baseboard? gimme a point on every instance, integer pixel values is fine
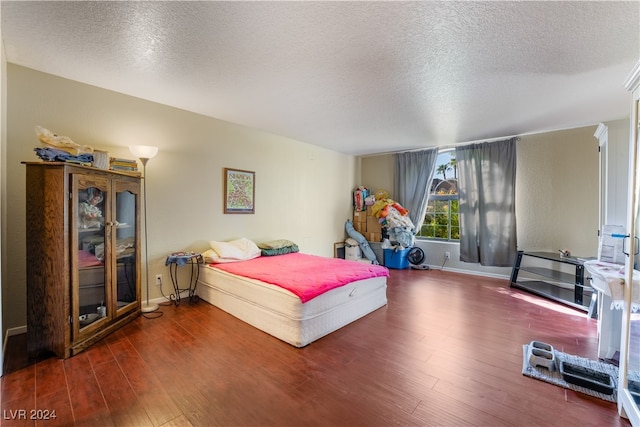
(11, 332)
(16, 331)
(163, 300)
(470, 272)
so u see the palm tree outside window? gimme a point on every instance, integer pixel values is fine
(441, 220)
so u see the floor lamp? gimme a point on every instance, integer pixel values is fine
(144, 153)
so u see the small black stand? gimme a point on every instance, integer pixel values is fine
(577, 294)
(179, 259)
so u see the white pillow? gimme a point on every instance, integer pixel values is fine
(235, 250)
(210, 256)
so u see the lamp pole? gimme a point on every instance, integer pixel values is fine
(144, 153)
(146, 307)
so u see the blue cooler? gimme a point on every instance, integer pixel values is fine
(396, 258)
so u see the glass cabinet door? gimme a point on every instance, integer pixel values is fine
(126, 245)
(89, 254)
(105, 240)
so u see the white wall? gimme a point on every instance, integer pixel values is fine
(303, 193)
(377, 172)
(557, 191)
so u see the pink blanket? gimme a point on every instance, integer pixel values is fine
(307, 276)
(87, 259)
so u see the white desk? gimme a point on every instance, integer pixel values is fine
(608, 280)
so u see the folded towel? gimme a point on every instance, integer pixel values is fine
(52, 154)
(181, 260)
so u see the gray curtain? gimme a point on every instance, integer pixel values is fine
(487, 187)
(412, 181)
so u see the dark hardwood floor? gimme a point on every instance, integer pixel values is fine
(445, 351)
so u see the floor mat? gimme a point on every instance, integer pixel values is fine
(555, 377)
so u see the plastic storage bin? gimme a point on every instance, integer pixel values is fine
(352, 253)
(396, 258)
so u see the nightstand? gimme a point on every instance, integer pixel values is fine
(184, 259)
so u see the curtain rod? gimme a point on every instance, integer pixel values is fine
(444, 147)
(450, 146)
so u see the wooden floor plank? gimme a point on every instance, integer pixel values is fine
(445, 350)
(54, 409)
(87, 401)
(146, 385)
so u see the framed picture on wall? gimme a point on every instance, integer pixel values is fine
(239, 191)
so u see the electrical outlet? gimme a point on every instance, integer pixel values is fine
(159, 279)
(447, 255)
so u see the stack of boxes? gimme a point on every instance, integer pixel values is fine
(360, 221)
(367, 225)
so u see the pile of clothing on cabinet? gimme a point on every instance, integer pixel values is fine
(58, 148)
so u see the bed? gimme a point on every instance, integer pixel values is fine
(283, 305)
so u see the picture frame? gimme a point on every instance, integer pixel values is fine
(239, 191)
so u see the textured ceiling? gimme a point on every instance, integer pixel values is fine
(356, 77)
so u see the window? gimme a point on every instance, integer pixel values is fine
(441, 219)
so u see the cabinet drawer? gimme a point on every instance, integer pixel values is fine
(91, 276)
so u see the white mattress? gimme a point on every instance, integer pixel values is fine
(280, 313)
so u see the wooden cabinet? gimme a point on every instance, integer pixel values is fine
(83, 263)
